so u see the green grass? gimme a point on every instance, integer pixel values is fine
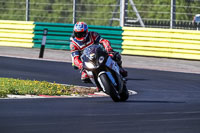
(23, 87)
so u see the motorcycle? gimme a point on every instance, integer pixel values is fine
(104, 72)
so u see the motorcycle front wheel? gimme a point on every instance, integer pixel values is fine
(124, 95)
(109, 87)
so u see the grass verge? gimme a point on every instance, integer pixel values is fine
(23, 87)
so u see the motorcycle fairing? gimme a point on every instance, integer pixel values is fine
(112, 64)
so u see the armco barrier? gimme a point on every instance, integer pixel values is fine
(161, 42)
(59, 35)
(169, 43)
(16, 33)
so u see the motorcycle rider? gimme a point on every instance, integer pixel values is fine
(83, 38)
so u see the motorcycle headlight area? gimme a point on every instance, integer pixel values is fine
(90, 65)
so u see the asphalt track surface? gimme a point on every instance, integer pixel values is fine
(167, 102)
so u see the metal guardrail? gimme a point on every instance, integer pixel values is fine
(16, 33)
(171, 43)
(59, 35)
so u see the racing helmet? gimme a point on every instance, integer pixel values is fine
(80, 30)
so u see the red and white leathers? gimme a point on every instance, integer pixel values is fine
(77, 46)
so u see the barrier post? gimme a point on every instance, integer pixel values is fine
(44, 38)
(27, 10)
(74, 11)
(173, 14)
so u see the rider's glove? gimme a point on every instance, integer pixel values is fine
(115, 55)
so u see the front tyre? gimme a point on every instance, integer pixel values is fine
(124, 95)
(109, 87)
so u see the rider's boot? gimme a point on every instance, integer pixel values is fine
(123, 72)
(117, 57)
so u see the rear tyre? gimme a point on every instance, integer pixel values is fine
(109, 87)
(124, 95)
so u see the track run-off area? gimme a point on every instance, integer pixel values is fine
(167, 99)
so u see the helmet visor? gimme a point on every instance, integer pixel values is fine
(80, 34)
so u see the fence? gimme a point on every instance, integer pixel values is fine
(170, 43)
(16, 33)
(133, 41)
(153, 13)
(59, 35)
(29, 34)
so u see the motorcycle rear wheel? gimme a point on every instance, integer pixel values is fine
(109, 87)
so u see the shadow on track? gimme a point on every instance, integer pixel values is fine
(136, 79)
(148, 101)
